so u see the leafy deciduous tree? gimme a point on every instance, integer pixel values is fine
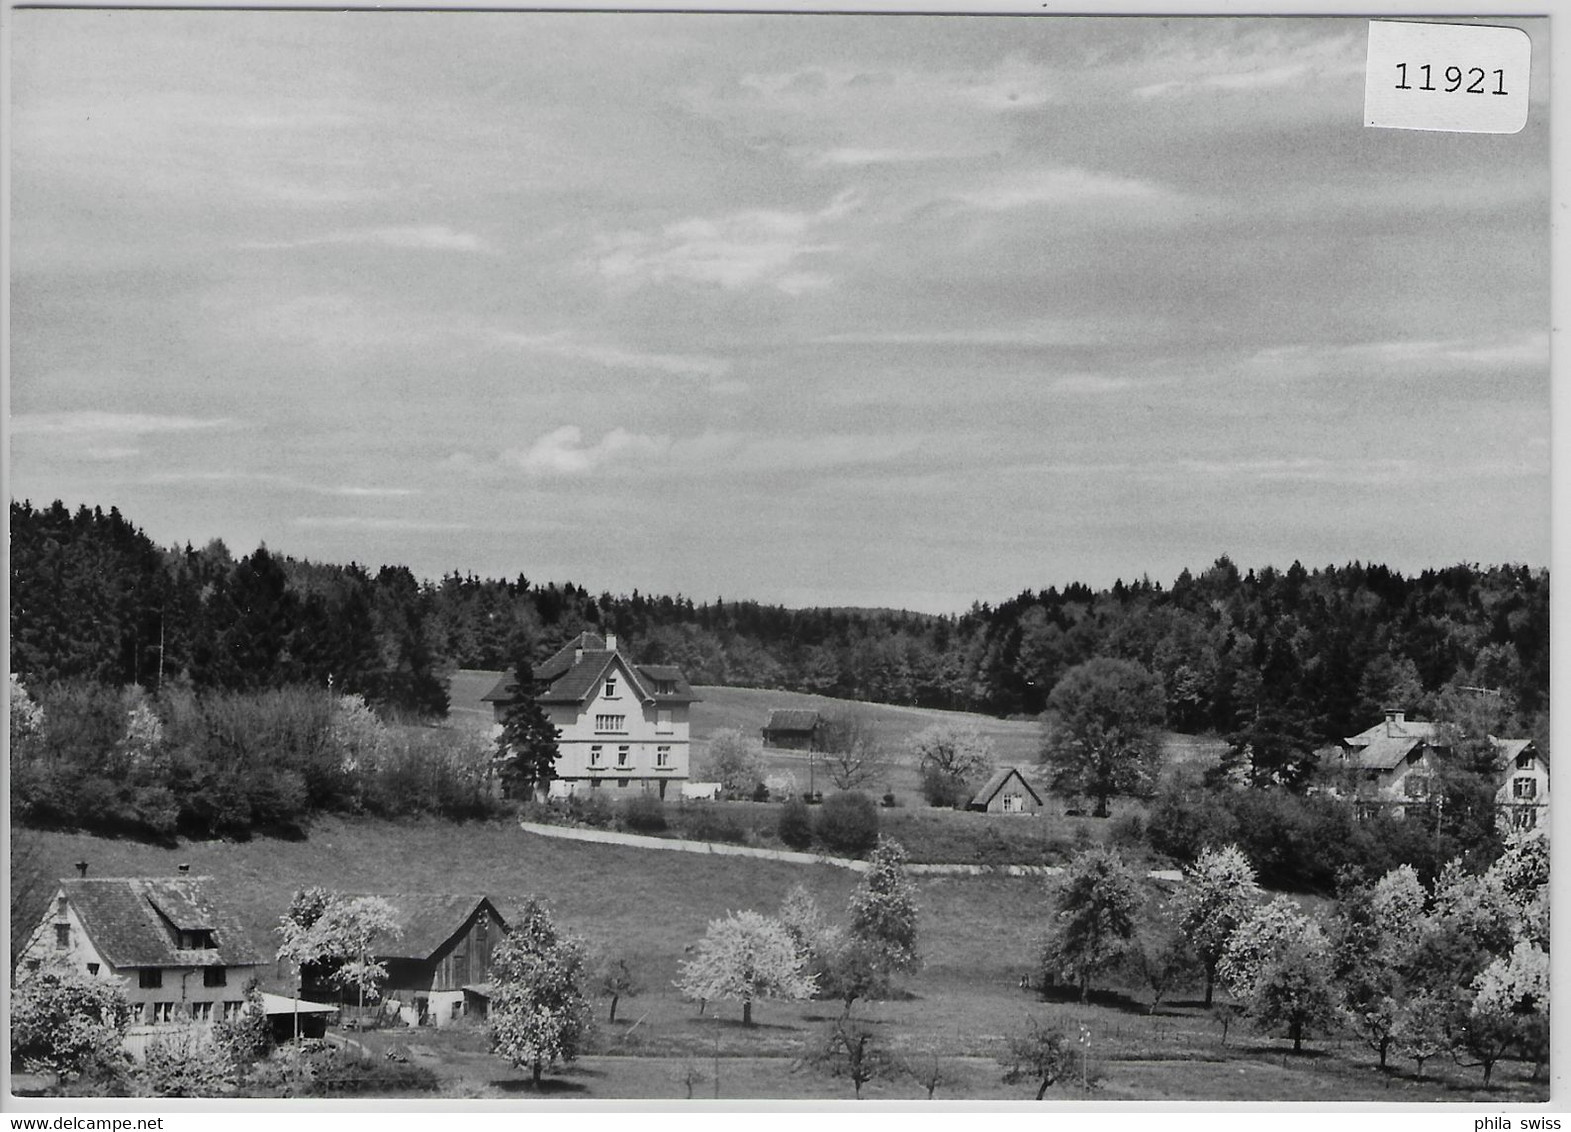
(1094, 920)
(745, 957)
(734, 760)
(69, 1024)
(1041, 1055)
(884, 910)
(538, 1014)
(951, 759)
(1101, 726)
(1218, 893)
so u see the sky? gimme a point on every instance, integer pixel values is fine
(818, 310)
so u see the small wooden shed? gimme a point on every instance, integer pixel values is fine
(793, 729)
(1007, 792)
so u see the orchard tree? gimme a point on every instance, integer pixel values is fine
(1294, 990)
(1251, 947)
(1094, 920)
(538, 1014)
(527, 743)
(1219, 892)
(802, 920)
(883, 910)
(613, 977)
(1373, 938)
(1041, 1054)
(70, 1025)
(1510, 1009)
(951, 760)
(734, 760)
(745, 957)
(851, 1048)
(847, 967)
(337, 937)
(1164, 960)
(852, 752)
(1101, 730)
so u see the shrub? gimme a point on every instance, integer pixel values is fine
(761, 793)
(890, 802)
(595, 810)
(1127, 830)
(796, 825)
(849, 823)
(186, 1062)
(644, 813)
(711, 825)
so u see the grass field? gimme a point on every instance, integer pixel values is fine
(978, 936)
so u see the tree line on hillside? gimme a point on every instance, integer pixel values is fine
(1316, 653)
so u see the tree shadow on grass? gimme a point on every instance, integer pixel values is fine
(1108, 999)
(553, 1086)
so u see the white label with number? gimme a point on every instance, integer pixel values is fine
(1457, 77)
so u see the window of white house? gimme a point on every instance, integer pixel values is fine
(92, 968)
(663, 720)
(1524, 788)
(233, 1007)
(150, 978)
(594, 783)
(162, 1012)
(622, 754)
(610, 687)
(622, 783)
(62, 936)
(1525, 761)
(1525, 818)
(202, 1011)
(662, 757)
(1416, 786)
(595, 753)
(610, 723)
(214, 977)
(664, 688)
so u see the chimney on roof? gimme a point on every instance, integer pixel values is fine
(183, 868)
(81, 868)
(610, 641)
(1395, 717)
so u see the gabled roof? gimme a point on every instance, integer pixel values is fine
(132, 921)
(1393, 729)
(1510, 748)
(575, 670)
(429, 919)
(1383, 753)
(993, 785)
(792, 719)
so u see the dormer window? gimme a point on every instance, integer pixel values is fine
(1524, 761)
(610, 687)
(196, 940)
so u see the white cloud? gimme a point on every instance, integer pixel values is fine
(420, 237)
(563, 345)
(742, 249)
(1403, 357)
(1060, 187)
(94, 422)
(289, 482)
(1267, 59)
(363, 523)
(562, 451)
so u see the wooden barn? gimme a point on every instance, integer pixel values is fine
(1007, 792)
(797, 729)
(446, 945)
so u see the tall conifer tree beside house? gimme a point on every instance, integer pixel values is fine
(527, 744)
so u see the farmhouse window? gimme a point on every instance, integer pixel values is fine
(214, 977)
(1526, 817)
(1524, 788)
(622, 783)
(202, 1011)
(196, 940)
(62, 936)
(665, 688)
(162, 1012)
(92, 968)
(621, 757)
(663, 721)
(594, 754)
(610, 687)
(233, 1007)
(662, 757)
(1524, 761)
(150, 978)
(610, 723)
(594, 783)
(1416, 786)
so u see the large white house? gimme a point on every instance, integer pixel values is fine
(1393, 765)
(620, 725)
(178, 955)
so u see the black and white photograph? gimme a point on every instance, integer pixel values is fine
(720, 557)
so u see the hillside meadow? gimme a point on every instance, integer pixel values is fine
(978, 938)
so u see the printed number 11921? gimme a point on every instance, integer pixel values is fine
(1476, 79)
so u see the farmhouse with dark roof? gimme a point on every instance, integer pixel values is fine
(619, 724)
(1007, 792)
(1391, 767)
(168, 940)
(439, 967)
(798, 729)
